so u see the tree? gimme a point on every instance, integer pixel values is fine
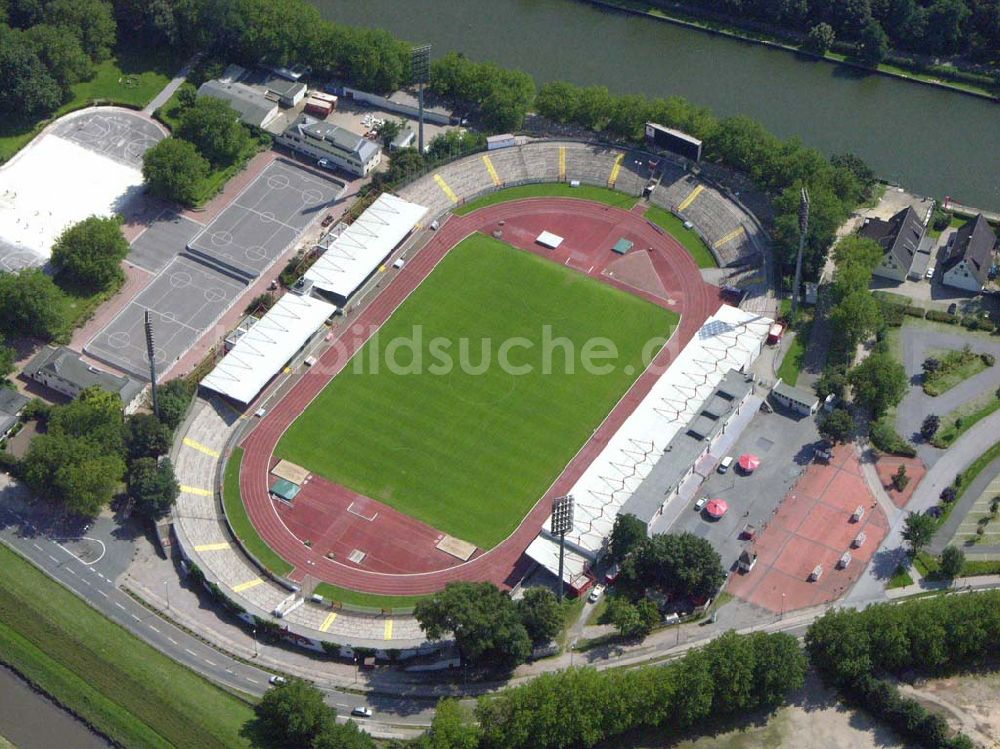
(873, 44)
(173, 169)
(153, 486)
(31, 304)
(175, 397)
(918, 531)
(856, 317)
(681, 564)
(931, 365)
(451, 728)
(483, 620)
(347, 735)
(627, 534)
(213, 126)
(900, 480)
(838, 425)
(61, 53)
(29, 90)
(952, 561)
(91, 252)
(73, 472)
(389, 130)
(8, 361)
(932, 422)
(95, 415)
(293, 714)
(540, 613)
(820, 38)
(146, 436)
(879, 382)
(91, 21)
(633, 621)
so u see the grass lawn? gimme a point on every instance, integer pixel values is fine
(151, 70)
(551, 190)
(240, 522)
(900, 578)
(963, 418)
(116, 682)
(688, 238)
(470, 448)
(792, 362)
(956, 367)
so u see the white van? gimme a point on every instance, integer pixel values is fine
(725, 463)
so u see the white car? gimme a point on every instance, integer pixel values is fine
(595, 593)
(276, 680)
(700, 503)
(362, 712)
(930, 272)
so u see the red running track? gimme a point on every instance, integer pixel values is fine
(589, 229)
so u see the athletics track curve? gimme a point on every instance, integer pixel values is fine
(694, 299)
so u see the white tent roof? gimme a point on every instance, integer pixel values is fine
(264, 349)
(730, 339)
(362, 247)
(545, 551)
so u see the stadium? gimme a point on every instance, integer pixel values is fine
(374, 473)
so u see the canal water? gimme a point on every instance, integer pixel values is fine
(936, 142)
(31, 721)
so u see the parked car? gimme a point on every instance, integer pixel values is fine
(700, 504)
(362, 712)
(276, 680)
(725, 463)
(326, 164)
(595, 593)
(328, 220)
(930, 272)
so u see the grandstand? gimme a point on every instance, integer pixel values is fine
(729, 340)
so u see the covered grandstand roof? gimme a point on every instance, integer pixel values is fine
(364, 245)
(730, 339)
(264, 349)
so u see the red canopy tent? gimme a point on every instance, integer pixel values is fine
(716, 508)
(749, 462)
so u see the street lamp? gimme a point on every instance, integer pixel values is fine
(253, 633)
(357, 669)
(166, 590)
(782, 605)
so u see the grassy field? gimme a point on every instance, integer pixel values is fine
(792, 362)
(242, 527)
(963, 418)
(688, 238)
(117, 683)
(470, 449)
(551, 190)
(956, 367)
(147, 70)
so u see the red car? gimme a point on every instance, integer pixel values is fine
(327, 221)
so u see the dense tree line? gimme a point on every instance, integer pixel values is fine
(936, 27)
(860, 652)
(293, 715)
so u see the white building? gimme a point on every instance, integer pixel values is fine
(253, 106)
(351, 152)
(65, 372)
(969, 258)
(899, 238)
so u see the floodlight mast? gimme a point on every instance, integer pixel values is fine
(420, 63)
(803, 231)
(150, 351)
(562, 522)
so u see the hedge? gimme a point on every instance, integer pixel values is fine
(937, 316)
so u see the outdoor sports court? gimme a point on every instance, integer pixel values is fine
(164, 240)
(270, 213)
(813, 526)
(113, 133)
(185, 300)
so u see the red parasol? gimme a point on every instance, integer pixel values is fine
(716, 508)
(749, 462)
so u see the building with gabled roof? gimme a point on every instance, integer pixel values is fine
(351, 152)
(66, 372)
(970, 255)
(253, 106)
(899, 238)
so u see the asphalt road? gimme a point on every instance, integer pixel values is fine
(90, 564)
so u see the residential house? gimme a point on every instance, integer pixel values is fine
(65, 372)
(969, 257)
(899, 238)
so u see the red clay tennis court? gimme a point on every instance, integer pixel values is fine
(813, 526)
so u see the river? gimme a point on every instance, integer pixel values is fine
(31, 721)
(936, 142)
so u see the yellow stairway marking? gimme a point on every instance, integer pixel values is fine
(562, 163)
(690, 198)
(739, 231)
(388, 629)
(493, 172)
(196, 491)
(247, 585)
(325, 626)
(615, 169)
(221, 546)
(200, 447)
(447, 190)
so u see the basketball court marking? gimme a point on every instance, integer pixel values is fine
(122, 136)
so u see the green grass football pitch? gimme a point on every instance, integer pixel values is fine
(470, 453)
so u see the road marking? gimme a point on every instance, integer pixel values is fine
(153, 627)
(210, 663)
(247, 585)
(71, 571)
(200, 447)
(119, 606)
(136, 618)
(388, 629)
(221, 546)
(493, 172)
(85, 581)
(172, 640)
(80, 559)
(739, 231)
(188, 650)
(447, 190)
(690, 198)
(103, 593)
(325, 626)
(53, 559)
(198, 492)
(37, 547)
(615, 169)
(562, 163)
(251, 680)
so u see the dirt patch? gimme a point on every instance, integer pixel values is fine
(971, 702)
(887, 465)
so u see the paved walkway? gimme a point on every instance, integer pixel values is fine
(161, 98)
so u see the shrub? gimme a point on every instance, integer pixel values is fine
(988, 359)
(900, 480)
(948, 494)
(929, 428)
(915, 311)
(885, 438)
(938, 316)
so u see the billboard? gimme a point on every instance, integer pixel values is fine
(673, 140)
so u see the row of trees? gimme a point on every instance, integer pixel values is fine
(46, 46)
(88, 449)
(293, 716)
(779, 167)
(936, 27)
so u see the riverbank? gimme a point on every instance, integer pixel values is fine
(695, 21)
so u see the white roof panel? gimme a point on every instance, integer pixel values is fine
(549, 239)
(262, 351)
(362, 247)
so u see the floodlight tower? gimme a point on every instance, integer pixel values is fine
(562, 522)
(420, 63)
(150, 350)
(803, 230)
